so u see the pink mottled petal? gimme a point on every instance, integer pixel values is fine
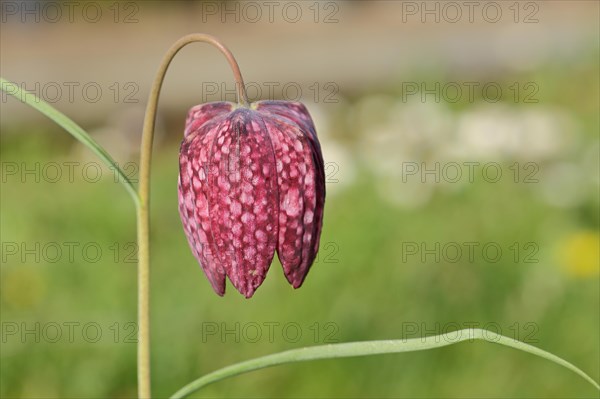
(193, 200)
(243, 200)
(200, 114)
(301, 196)
(295, 112)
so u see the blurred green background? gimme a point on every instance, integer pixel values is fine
(388, 266)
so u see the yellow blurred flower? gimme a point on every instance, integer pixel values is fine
(22, 288)
(580, 254)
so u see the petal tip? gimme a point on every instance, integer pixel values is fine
(297, 284)
(248, 293)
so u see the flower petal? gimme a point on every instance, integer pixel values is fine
(243, 199)
(301, 182)
(200, 114)
(294, 111)
(193, 197)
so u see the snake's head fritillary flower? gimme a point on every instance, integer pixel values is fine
(251, 181)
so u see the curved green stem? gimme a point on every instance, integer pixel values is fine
(367, 348)
(143, 217)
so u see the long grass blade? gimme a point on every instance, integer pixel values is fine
(70, 126)
(367, 348)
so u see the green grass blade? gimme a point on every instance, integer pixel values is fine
(70, 126)
(367, 348)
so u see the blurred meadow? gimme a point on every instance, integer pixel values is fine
(463, 187)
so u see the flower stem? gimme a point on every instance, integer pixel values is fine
(143, 217)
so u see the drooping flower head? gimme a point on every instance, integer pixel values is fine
(251, 181)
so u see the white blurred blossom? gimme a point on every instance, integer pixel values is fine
(413, 133)
(501, 132)
(428, 134)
